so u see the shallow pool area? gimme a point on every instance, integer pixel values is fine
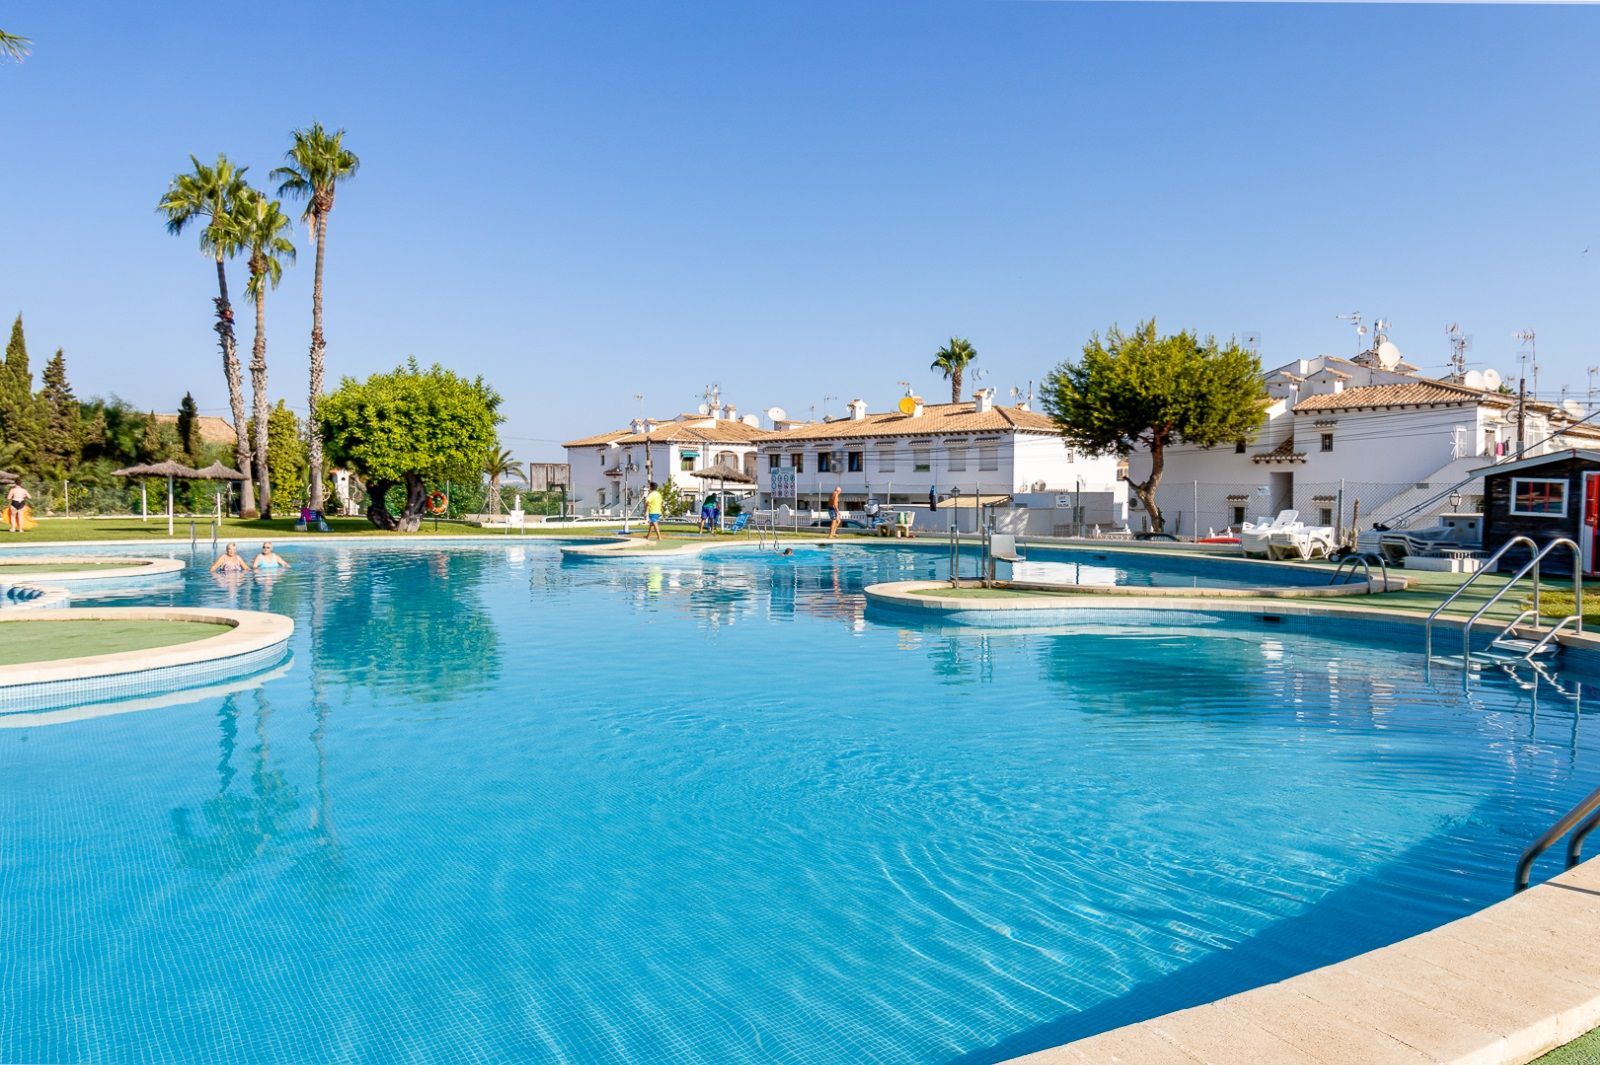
(505, 807)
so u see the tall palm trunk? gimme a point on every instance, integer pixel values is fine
(318, 348)
(955, 385)
(258, 384)
(231, 370)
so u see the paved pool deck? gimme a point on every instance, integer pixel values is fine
(1500, 987)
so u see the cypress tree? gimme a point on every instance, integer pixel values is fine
(16, 392)
(188, 427)
(61, 419)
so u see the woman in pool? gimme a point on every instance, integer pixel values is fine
(229, 561)
(266, 560)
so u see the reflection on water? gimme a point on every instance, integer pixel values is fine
(506, 807)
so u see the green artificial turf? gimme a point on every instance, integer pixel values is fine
(39, 640)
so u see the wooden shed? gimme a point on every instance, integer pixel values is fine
(1544, 498)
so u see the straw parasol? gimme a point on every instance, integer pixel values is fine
(724, 475)
(218, 472)
(165, 468)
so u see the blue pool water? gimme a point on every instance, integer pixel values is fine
(505, 808)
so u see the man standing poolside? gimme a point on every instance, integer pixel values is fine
(652, 509)
(833, 513)
(16, 499)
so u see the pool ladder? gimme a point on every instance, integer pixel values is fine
(1364, 560)
(1581, 820)
(1507, 645)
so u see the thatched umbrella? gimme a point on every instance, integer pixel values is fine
(724, 475)
(218, 472)
(165, 468)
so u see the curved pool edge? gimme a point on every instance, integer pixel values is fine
(1498, 987)
(254, 641)
(95, 568)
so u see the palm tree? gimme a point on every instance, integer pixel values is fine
(318, 162)
(259, 226)
(952, 361)
(499, 464)
(210, 193)
(13, 46)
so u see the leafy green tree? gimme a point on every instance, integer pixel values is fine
(318, 162)
(952, 361)
(674, 503)
(188, 428)
(61, 419)
(152, 448)
(409, 428)
(500, 465)
(1144, 390)
(286, 454)
(257, 226)
(211, 195)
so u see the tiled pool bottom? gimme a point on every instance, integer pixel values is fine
(505, 809)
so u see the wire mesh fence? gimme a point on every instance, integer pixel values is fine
(1200, 508)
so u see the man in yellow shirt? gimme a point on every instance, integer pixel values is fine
(652, 509)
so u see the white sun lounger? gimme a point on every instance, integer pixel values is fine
(1255, 539)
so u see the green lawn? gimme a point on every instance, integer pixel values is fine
(40, 640)
(1585, 1050)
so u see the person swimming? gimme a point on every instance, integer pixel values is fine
(229, 561)
(267, 560)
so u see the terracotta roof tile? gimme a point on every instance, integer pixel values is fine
(1411, 394)
(937, 418)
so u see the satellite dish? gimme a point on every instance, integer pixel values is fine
(1388, 355)
(1573, 407)
(1474, 379)
(908, 404)
(751, 420)
(1491, 380)
(777, 414)
(1361, 330)
(703, 409)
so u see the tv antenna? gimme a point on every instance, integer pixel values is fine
(713, 398)
(1354, 318)
(1460, 344)
(1530, 358)
(825, 401)
(905, 385)
(1592, 371)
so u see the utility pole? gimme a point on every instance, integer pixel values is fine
(1592, 371)
(1522, 410)
(644, 423)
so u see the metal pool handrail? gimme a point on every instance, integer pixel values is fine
(1364, 560)
(1555, 832)
(1533, 565)
(1427, 628)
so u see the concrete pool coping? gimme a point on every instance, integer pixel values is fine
(633, 548)
(249, 631)
(1498, 987)
(93, 568)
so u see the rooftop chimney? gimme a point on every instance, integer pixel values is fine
(983, 400)
(858, 410)
(730, 412)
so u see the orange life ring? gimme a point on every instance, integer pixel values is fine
(438, 502)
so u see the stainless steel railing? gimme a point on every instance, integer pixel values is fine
(1574, 849)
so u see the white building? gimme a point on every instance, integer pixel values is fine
(974, 448)
(1367, 431)
(607, 466)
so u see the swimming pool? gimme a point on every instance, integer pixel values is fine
(505, 808)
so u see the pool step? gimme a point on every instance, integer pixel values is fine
(1516, 647)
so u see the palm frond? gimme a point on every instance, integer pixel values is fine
(14, 47)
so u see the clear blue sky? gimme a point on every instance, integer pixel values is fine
(592, 200)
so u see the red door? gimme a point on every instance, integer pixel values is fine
(1591, 522)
